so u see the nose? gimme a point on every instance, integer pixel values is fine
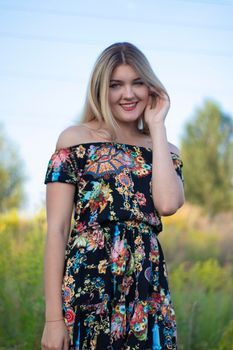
(128, 92)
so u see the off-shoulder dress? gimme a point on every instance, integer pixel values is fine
(115, 291)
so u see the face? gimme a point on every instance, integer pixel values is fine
(128, 95)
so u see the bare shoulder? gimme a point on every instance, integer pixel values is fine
(72, 136)
(174, 149)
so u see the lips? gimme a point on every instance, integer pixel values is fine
(129, 106)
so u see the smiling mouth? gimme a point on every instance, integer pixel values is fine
(129, 106)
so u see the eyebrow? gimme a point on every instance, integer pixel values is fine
(121, 81)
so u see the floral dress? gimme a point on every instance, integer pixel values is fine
(115, 291)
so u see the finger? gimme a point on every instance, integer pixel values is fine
(66, 344)
(43, 346)
(165, 97)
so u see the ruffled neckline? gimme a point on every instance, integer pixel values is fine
(98, 143)
(108, 143)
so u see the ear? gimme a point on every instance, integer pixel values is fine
(153, 91)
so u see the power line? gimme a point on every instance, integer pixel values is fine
(42, 38)
(32, 118)
(34, 76)
(82, 15)
(160, 49)
(206, 2)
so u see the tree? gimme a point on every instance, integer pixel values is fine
(11, 175)
(207, 153)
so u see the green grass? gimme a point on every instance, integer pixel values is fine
(198, 251)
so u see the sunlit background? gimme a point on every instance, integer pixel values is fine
(48, 49)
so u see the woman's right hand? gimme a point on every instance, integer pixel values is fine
(55, 336)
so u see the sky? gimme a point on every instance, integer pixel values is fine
(48, 49)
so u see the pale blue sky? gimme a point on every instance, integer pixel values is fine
(48, 49)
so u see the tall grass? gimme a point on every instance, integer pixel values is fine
(198, 251)
(21, 297)
(199, 255)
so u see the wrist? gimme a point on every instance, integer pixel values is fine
(53, 310)
(158, 127)
(54, 316)
(54, 320)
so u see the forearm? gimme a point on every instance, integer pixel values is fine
(53, 274)
(167, 190)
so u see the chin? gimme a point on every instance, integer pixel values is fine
(127, 117)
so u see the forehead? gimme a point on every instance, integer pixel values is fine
(124, 70)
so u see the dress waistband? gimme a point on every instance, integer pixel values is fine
(112, 224)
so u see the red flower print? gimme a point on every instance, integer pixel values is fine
(81, 226)
(139, 321)
(60, 157)
(155, 302)
(118, 325)
(70, 316)
(140, 198)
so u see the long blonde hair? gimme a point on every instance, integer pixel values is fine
(97, 105)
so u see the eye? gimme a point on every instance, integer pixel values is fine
(114, 85)
(138, 83)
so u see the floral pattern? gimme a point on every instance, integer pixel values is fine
(115, 291)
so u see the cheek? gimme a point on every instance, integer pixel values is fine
(112, 98)
(145, 96)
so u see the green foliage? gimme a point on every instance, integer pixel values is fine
(21, 294)
(11, 175)
(203, 302)
(198, 252)
(207, 148)
(226, 342)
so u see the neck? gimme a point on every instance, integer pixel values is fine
(126, 131)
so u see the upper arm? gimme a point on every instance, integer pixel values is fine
(174, 149)
(178, 164)
(61, 181)
(59, 207)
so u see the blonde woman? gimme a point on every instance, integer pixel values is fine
(105, 277)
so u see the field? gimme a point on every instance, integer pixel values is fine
(199, 255)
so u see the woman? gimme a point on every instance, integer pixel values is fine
(120, 174)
